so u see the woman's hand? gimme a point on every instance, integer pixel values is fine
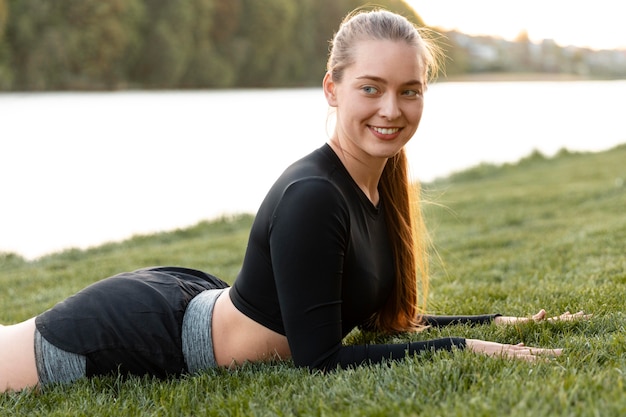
(541, 316)
(519, 351)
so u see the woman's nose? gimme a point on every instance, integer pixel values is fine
(389, 108)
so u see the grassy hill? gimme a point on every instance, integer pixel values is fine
(543, 233)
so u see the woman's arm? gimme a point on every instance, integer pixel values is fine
(440, 321)
(307, 241)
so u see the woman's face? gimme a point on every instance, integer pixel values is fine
(380, 99)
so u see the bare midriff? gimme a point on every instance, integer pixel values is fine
(238, 339)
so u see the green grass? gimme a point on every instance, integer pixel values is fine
(543, 233)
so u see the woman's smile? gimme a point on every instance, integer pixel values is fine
(385, 133)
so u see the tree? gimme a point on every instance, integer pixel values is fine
(109, 44)
(166, 43)
(6, 74)
(265, 31)
(215, 57)
(72, 44)
(4, 14)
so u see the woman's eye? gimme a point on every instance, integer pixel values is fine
(411, 93)
(368, 89)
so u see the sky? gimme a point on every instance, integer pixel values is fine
(597, 24)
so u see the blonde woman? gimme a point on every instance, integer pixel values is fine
(336, 244)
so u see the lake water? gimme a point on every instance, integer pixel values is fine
(80, 169)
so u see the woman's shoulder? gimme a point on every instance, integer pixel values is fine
(313, 190)
(312, 183)
(316, 175)
(322, 162)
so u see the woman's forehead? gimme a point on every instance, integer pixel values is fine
(384, 58)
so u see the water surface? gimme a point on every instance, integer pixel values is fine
(80, 169)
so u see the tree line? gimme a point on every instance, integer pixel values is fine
(164, 44)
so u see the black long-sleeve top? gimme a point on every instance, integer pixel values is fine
(319, 263)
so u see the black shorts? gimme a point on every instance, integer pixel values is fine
(130, 323)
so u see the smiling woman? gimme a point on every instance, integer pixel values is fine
(385, 108)
(336, 244)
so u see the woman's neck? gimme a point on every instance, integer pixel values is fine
(365, 172)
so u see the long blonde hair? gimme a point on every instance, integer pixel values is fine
(401, 198)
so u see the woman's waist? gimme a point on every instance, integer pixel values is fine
(237, 338)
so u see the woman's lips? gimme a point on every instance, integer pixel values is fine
(386, 133)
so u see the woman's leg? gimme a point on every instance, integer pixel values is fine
(17, 356)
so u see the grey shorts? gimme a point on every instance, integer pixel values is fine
(55, 365)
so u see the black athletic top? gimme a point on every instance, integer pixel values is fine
(319, 263)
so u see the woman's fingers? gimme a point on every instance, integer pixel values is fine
(518, 351)
(567, 316)
(528, 353)
(540, 316)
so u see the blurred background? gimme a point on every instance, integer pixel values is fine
(121, 117)
(159, 44)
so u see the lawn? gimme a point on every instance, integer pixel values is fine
(542, 233)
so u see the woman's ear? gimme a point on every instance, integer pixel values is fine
(329, 89)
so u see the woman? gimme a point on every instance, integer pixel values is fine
(336, 244)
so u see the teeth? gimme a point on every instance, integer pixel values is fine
(385, 130)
